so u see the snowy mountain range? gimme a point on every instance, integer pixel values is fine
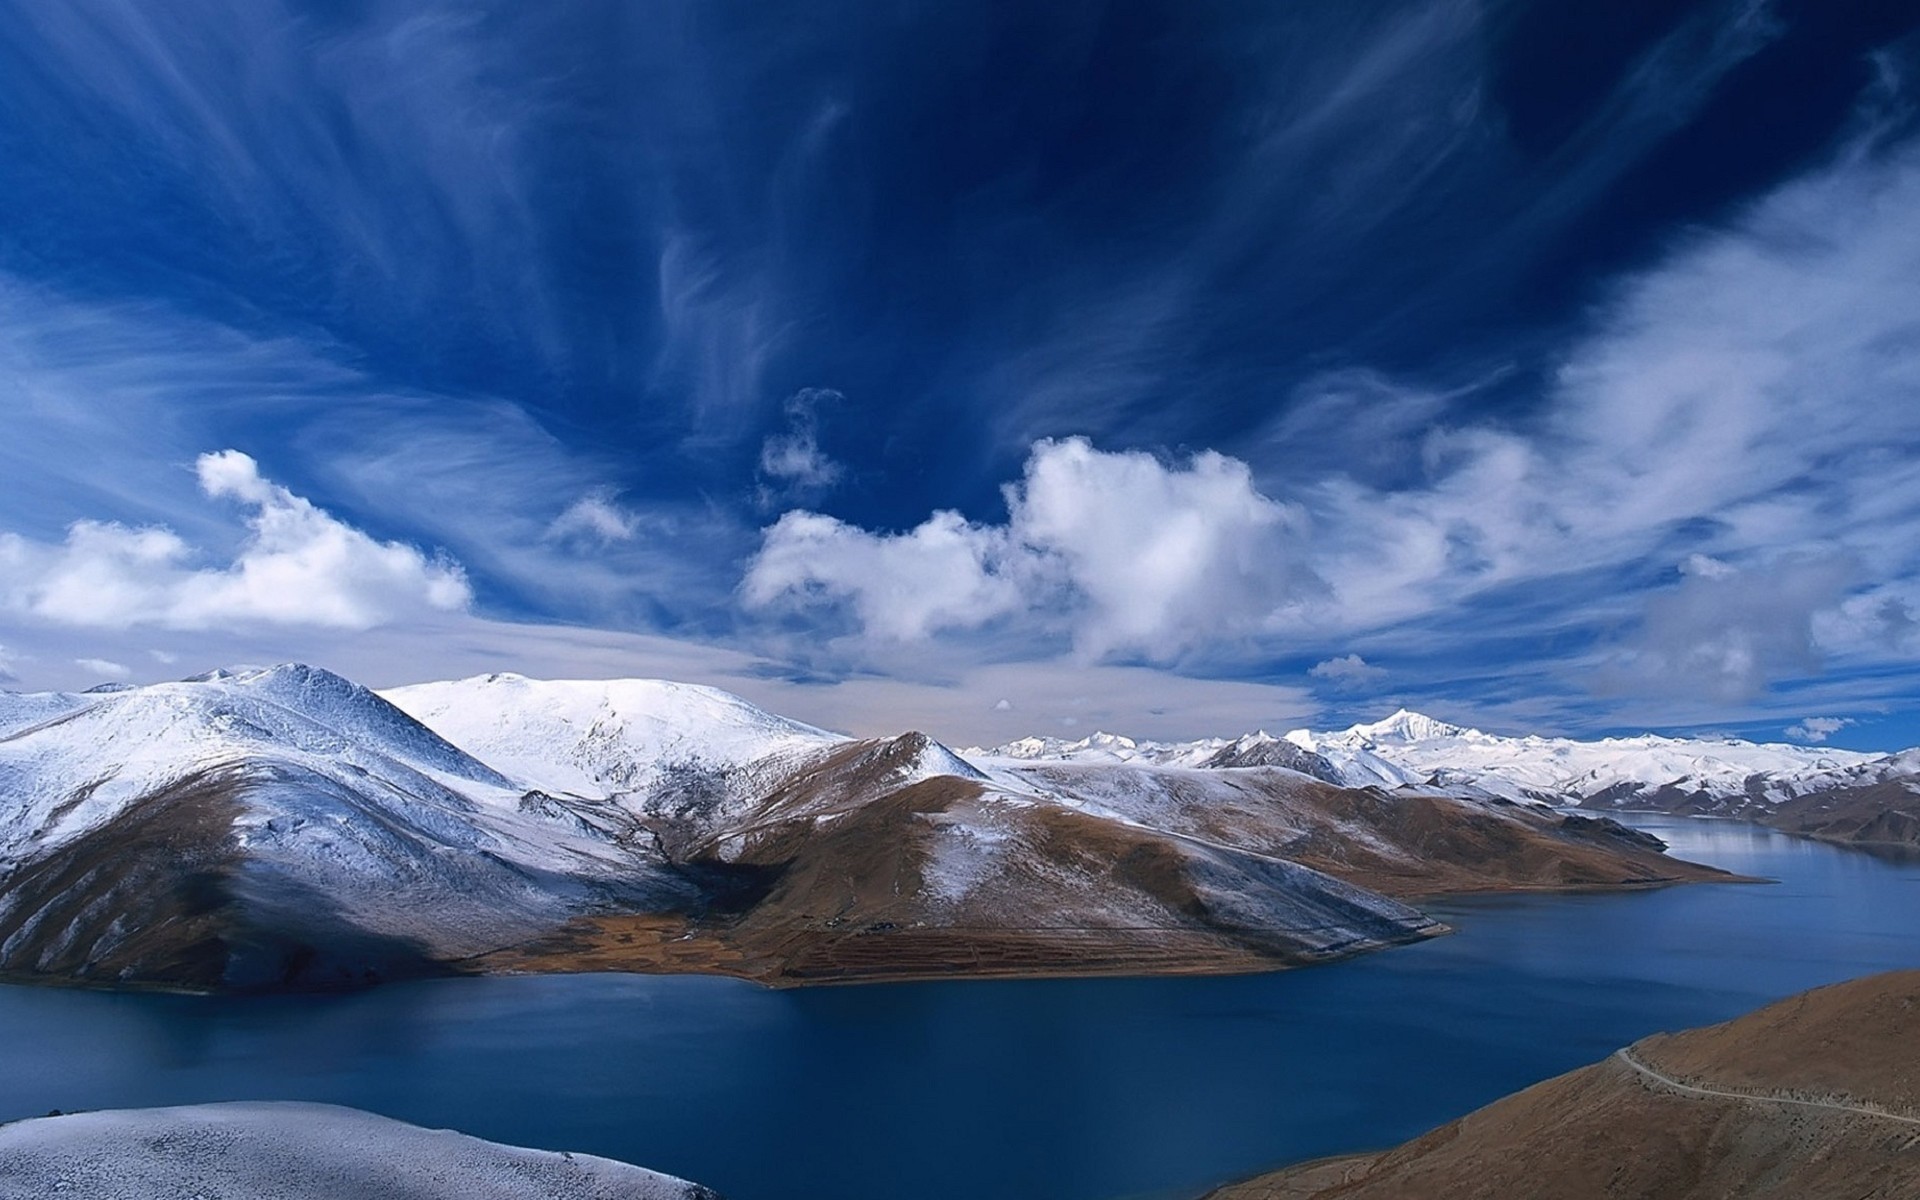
(287, 827)
(1410, 749)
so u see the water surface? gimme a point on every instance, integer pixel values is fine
(1055, 1089)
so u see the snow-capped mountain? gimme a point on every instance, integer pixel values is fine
(267, 818)
(1411, 749)
(1260, 749)
(289, 827)
(1610, 771)
(602, 737)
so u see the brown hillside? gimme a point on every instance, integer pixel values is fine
(1820, 1105)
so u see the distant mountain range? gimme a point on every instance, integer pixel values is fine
(1840, 795)
(289, 828)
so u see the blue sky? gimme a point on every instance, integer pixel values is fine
(991, 368)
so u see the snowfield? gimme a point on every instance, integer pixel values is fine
(601, 737)
(286, 1151)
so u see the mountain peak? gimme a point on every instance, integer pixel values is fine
(1406, 725)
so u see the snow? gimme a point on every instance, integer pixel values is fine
(601, 737)
(336, 790)
(1103, 747)
(1411, 749)
(288, 1151)
(22, 710)
(1540, 767)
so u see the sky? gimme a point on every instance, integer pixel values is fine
(988, 368)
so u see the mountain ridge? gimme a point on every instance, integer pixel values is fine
(286, 827)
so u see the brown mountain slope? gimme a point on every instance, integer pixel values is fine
(1880, 814)
(891, 859)
(1814, 1098)
(875, 873)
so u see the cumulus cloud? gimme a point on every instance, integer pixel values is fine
(1818, 729)
(1348, 670)
(596, 518)
(297, 565)
(1137, 556)
(103, 668)
(945, 574)
(791, 462)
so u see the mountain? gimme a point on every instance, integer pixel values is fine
(1840, 795)
(289, 828)
(1252, 750)
(603, 737)
(1875, 804)
(290, 1151)
(1718, 774)
(283, 826)
(895, 859)
(1812, 1098)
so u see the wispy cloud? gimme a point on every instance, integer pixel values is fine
(595, 517)
(792, 465)
(373, 164)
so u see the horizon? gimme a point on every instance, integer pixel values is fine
(1066, 733)
(1200, 368)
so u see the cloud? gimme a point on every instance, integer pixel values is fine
(1749, 408)
(791, 462)
(297, 565)
(1348, 670)
(6, 667)
(1818, 729)
(1726, 633)
(1142, 557)
(103, 668)
(595, 517)
(944, 574)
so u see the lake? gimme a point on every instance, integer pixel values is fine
(1055, 1089)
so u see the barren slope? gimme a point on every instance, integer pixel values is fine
(1814, 1098)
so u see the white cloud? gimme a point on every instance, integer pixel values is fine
(1818, 729)
(1145, 558)
(298, 565)
(595, 517)
(6, 667)
(792, 463)
(944, 574)
(1164, 558)
(103, 668)
(1348, 670)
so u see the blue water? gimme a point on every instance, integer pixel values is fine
(1062, 1089)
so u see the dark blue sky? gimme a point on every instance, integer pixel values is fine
(1416, 315)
